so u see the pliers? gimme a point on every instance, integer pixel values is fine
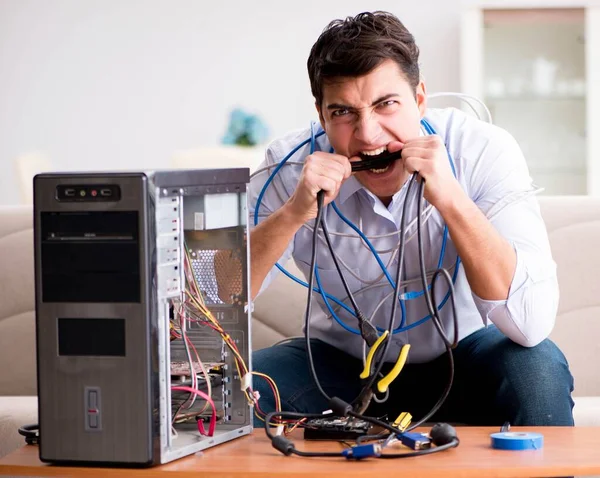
(382, 385)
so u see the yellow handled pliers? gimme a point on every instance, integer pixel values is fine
(383, 384)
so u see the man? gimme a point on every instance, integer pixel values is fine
(370, 99)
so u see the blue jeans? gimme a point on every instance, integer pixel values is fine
(495, 381)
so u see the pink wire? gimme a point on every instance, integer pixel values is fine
(213, 418)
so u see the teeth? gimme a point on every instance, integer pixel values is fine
(379, 171)
(375, 152)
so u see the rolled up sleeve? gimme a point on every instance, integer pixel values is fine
(527, 316)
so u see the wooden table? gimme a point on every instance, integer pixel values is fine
(567, 451)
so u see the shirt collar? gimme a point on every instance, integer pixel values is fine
(350, 186)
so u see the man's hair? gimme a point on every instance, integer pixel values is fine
(355, 46)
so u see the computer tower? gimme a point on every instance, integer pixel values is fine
(142, 287)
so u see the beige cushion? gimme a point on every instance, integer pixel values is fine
(17, 324)
(14, 413)
(279, 310)
(586, 412)
(573, 225)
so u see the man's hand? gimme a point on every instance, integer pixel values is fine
(321, 171)
(427, 155)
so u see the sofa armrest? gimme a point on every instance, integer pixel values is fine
(17, 324)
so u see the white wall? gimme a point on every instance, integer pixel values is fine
(101, 84)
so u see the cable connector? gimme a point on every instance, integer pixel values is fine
(367, 330)
(403, 421)
(359, 452)
(340, 407)
(282, 444)
(415, 441)
(246, 381)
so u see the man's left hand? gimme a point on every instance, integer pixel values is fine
(427, 155)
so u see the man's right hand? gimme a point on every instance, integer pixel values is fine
(321, 171)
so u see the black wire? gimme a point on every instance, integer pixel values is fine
(298, 416)
(31, 433)
(367, 330)
(359, 314)
(381, 161)
(292, 449)
(429, 300)
(434, 316)
(311, 281)
(442, 398)
(433, 311)
(390, 328)
(448, 279)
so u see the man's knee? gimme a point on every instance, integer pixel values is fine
(535, 383)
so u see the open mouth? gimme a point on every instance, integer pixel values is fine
(377, 163)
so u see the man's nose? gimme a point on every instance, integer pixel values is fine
(368, 129)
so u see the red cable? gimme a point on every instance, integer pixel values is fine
(213, 418)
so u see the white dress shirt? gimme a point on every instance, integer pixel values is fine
(491, 169)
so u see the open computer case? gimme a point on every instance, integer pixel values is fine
(142, 286)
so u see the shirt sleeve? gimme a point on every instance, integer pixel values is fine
(275, 195)
(504, 192)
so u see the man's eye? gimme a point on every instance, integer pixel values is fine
(340, 112)
(388, 103)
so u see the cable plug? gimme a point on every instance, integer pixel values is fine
(367, 330)
(340, 407)
(414, 440)
(359, 452)
(282, 444)
(403, 421)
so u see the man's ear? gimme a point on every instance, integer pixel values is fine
(421, 97)
(321, 119)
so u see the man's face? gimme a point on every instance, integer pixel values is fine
(364, 114)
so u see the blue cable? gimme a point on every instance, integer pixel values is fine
(259, 202)
(315, 289)
(408, 296)
(383, 268)
(442, 303)
(412, 295)
(317, 277)
(331, 311)
(430, 130)
(274, 173)
(377, 258)
(319, 287)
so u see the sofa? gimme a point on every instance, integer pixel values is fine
(574, 229)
